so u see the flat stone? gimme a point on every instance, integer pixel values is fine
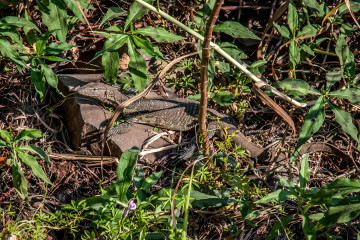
(84, 116)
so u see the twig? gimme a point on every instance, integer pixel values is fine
(204, 76)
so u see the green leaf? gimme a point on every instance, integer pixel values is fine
(313, 121)
(323, 196)
(147, 47)
(277, 196)
(136, 11)
(292, 18)
(235, 29)
(345, 120)
(284, 31)
(233, 51)
(344, 184)
(294, 53)
(279, 227)
(332, 78)
(201, 200)
(8, 51)
(28, 134)
(3, 144)
(5, 135)
(37, 79)
(19, 180)
(352, 94)
(17, 22)
(294, 86)
(137, 67)
(115, 42)
(111, 63)
(33, 164)
(308, 227)
(307, 49)
(41, 43)
(159, 34)
(125, 171)
(304, 171)
(56, 19)
(57, 48)
(35, 150)
(309, 30)
(112, 13)
(55, 58)
(75, 9)
(224, 98)
(50, 76)
(139, 177)
(345, 211)
(151, 180)
(345, 55)
(312, 4)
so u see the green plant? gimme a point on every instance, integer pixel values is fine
(20, 153)
(331, 203)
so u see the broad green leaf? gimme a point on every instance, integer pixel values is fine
(85, 4)
(313, 121)
(56, 19)
(18, 22)
(159, 34)
(279, 227)
(233, 51)
(75, 9)
(294, 86)
(332, 78)
(345, 120)
(7, 50)
(345, 55)
(309, 30)
(112, 13)
(147, 47)
(224, 98)
(28, 134)
(201, 200)
(55, 58)
(136, 11)
(308, 227)
(57, 48)
(19, 180)
(292, 18)
(304, 171)
(37, 79)
(42, 7)
(115, 42)
(294, 53)
(35, 150)
(312, 4)
(41, 43)
(137, 67)
(352, 94)
(50, 76)
(277, 196)
(139, 177)
(307, 49)
(3, 144)
(151, 180)
(235, 29)
(125, 170)
(284, 31)
(5, 135)
(345, 211)
(344, 184)
(288, 183)
(33, 164)
(111, 63)
(257, 64)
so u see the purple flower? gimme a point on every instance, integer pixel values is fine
(131, 206)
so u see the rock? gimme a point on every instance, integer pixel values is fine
(83, 117)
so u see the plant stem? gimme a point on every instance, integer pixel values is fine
(204, 77)
(226, 56)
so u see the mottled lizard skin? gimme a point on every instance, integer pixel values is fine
(173, 114)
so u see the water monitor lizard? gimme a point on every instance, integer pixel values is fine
(181, 115)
